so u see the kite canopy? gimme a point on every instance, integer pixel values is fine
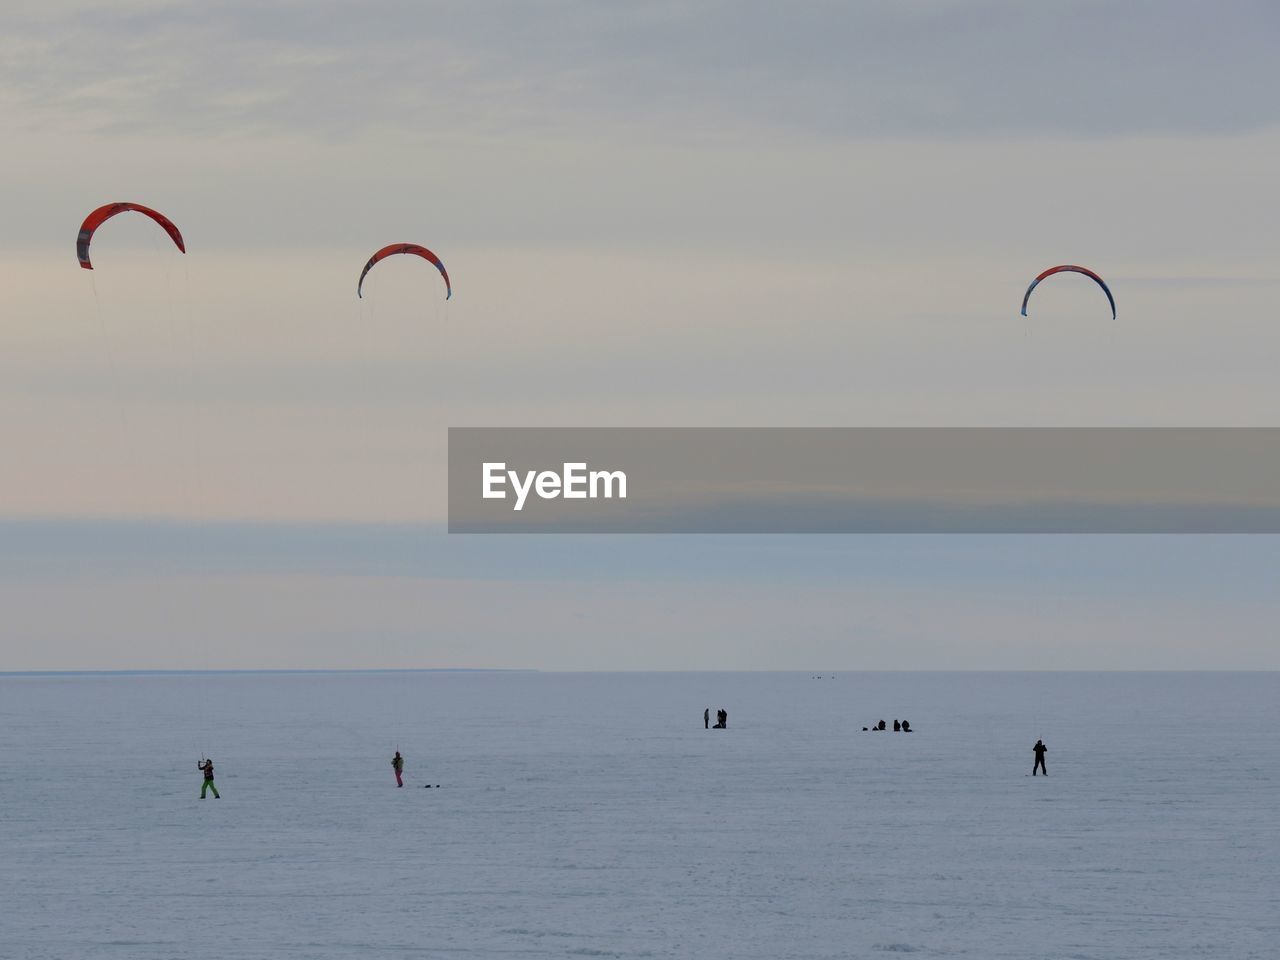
(100, 216)
(1069, 268)
(416, 250)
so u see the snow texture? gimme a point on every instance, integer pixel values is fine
(591, 815)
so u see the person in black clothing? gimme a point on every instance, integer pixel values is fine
(897, 727)
(1040, 750)
(706, 719)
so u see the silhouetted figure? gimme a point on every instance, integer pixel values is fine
(206, 767)
(865, 729)
(906, 726)
(397, 764)
(880, 725)
(722, 720)
(706, 719)
(897, 727)
(1040, 750)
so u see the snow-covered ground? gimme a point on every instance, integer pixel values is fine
(591, 815)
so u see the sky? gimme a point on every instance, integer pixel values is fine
(662, 214)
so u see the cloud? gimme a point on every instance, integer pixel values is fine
(94, 595)
(826, 70)
(1194, 281)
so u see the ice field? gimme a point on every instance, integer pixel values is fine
(590, 815)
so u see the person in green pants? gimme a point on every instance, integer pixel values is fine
(206, 767)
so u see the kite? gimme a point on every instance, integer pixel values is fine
(100, 216)
(1068, 268)
(416, 250)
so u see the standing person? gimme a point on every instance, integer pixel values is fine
(397, 764)
(206, 767)
(706, 719)
(1040, 750)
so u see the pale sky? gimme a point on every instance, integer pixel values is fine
(653, 214)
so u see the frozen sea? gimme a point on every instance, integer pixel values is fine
(590, 815)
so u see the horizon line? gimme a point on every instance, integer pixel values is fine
(230, 671)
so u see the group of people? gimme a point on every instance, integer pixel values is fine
(899, 726)
(205, 765)
(722, 719)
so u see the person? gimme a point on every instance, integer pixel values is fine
(722, 720)
(206, 767)
(897, 726)
(1040, 750)
(706, 719)
(906, 726)
(880, 726)
(397, 764)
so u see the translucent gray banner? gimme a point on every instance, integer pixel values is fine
(802, 480)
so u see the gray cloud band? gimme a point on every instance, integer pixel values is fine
(802, 480)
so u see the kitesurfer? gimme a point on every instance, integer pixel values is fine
(397, 764)
(1040, 750)
(206, 767)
